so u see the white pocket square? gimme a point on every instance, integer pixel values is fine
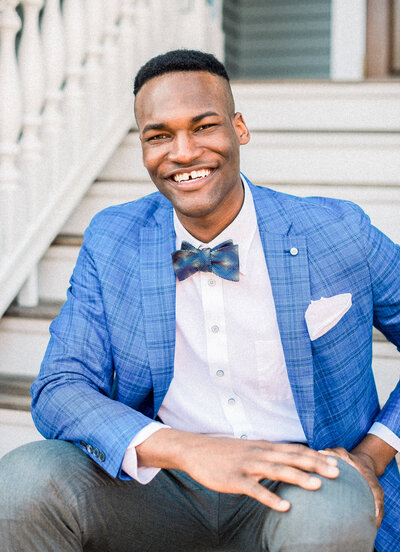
(325, 313)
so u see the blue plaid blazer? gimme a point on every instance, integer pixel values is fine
(110, 358)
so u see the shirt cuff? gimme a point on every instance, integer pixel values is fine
(129, 464)
(385, 434)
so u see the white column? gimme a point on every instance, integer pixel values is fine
(54, 62)
(10, 125)
(32, 79)
(348, 39)
(31, 158)
(74, 25)
(94, 81)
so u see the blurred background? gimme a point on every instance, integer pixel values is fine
(317, 81)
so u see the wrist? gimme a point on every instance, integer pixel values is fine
(167, 448)
(376, 452)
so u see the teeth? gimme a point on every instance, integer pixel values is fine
(202, 173)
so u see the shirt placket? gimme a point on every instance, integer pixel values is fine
(218, 356)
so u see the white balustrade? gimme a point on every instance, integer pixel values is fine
(65, 105)
(75, 37)
(54, 62)
(94, 12)
(111, 61)
(10, 125)
(32, 79)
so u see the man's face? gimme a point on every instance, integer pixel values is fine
(190, 141)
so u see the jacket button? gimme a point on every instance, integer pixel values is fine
(96, 452)
(83, 444)
(294, 251)
(89, 448)
(102, 456)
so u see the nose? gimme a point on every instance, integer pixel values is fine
(184, 149)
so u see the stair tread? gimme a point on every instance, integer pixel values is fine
(15, 392)
(44, 310)
(72, 240)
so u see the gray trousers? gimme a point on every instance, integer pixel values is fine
(54, 498)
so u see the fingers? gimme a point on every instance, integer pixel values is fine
(286, 474)
(366, 469)
(303, 459)
(266, 497)
(379, 503)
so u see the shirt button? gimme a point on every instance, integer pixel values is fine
(220, 373)
(294, 251)
(215, 329)
(244, 436)
(231, 401)
(211, 282)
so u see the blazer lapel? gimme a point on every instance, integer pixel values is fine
(158, 283)
(287, 263)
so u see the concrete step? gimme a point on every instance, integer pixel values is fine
(56, 267)
(274, 157)
(15, 392)
(319, 106)
(102, 195)
(16, 429)
(24, 334)
(381, 203)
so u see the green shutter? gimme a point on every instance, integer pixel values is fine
(277, 38)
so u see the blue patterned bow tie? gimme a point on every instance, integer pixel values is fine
(223, 260)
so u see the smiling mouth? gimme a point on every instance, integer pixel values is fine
(191, 176)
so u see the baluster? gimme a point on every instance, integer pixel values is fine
(94, 13)
(10, 125)
(111, 58)
(73, 93)
(126, 45)
(54, 61)
(32, 79)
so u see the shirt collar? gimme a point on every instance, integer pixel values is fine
(241, 230)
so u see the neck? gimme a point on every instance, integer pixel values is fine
(205, 229)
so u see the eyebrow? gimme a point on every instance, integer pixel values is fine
(164, 126)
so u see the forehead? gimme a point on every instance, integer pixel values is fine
(183, 94)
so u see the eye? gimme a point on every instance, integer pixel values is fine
(205, 126)
(157, 137)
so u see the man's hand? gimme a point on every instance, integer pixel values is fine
(366, 465)
(237, 466)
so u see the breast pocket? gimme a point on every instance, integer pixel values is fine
(271, 371)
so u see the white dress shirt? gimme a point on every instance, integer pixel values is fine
(230, 376)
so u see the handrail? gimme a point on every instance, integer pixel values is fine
(65, 105)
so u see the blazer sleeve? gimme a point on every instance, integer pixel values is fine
(384, 265)
(72, 396)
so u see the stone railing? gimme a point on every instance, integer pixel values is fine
(66, 72)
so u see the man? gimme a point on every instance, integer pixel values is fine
(228, 373)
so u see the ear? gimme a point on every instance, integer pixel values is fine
(242, 132)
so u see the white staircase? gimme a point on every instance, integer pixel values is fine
(307, 138)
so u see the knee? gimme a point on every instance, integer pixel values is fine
(341, 512)
(30, 474)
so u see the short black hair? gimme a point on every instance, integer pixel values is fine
(178, 60)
